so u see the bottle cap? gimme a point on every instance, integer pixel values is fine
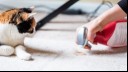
(82, 36)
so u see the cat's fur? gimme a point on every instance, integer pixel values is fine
(15, 25)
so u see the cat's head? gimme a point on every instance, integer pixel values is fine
(22, 18)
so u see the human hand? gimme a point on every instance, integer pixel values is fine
(93, 27)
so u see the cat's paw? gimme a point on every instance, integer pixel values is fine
(6, 50)
(26, 57)
(22, 53)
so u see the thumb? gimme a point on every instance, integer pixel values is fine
(92, 32)
(91, 36)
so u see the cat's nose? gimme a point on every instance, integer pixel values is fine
(31, 31)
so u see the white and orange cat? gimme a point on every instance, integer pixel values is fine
(15, 25)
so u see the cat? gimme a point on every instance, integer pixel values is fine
(15, 25)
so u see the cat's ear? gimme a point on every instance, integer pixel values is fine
(28, 10)
(32, 8)
(31, 14)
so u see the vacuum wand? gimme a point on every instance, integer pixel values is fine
(55, 13)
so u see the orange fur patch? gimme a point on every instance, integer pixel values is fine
(7, 16)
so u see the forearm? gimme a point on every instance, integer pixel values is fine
(115, 13)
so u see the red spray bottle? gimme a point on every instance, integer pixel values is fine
(113, 35)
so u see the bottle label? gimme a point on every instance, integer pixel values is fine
(119, 37)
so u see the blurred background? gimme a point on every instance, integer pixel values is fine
(83, 7)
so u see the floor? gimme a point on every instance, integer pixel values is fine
(53, 49)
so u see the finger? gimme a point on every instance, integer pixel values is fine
(95, 43)
(88, 46)
(90, 36)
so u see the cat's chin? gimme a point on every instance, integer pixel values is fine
(28, 34)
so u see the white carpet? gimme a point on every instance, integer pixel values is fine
(55, 53)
